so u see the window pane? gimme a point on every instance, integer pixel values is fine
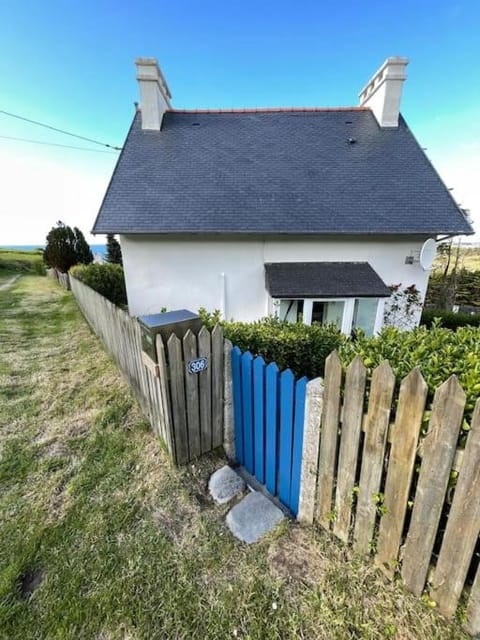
(334, 313)
(290, 310)
(328, 313)
(365, 314)
(318, 310)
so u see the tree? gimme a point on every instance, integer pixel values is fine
(83, 251)
(66, 247)
(114, 251)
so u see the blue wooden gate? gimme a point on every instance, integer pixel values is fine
(269, 409)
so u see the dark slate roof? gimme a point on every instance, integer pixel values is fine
(276, 172)
(323, 280)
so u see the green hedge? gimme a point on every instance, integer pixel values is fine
(450, 320)
(106, 279)
(301, 348)
(437, 351)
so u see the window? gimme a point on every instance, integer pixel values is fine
(328, 312)
(364, 314)
(291, 310)
(346, 314)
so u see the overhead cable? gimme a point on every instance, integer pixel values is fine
(67, 133)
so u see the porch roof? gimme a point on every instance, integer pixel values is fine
(324, 280)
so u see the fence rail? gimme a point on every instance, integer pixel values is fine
(386, 487)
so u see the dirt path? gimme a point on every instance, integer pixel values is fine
(8, 283)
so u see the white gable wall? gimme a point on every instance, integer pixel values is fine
(228, 273)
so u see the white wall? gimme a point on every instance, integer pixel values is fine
(175, 272)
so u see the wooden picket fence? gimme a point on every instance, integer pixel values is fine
(63, 279)
(196, 398)
(359, 477)
(185, 410)
(371, 471)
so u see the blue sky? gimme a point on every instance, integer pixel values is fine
(71, 64)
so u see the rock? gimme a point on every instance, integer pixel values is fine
(253, 517)
(225, 484)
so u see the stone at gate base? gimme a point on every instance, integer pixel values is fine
(253, 517)
(225, 484)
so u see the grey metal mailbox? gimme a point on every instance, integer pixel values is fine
(177, 322)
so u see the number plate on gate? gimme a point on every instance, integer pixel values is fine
(198, 365)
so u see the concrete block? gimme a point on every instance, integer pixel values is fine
(253, 517)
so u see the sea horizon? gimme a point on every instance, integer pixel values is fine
(96, 248)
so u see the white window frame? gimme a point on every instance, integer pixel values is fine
(348, 311)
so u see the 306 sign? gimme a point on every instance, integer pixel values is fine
(198, 365)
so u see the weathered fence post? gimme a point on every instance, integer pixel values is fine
(354, 392)
(376, 428)
(328, 439)
(463, 524)
(411, 405)
(439, 450)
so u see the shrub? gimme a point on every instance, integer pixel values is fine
(450, 320)
(105, 279)
(299, 347)
(438, 352)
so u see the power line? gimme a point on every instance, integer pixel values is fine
(67, 133)
(54, 144)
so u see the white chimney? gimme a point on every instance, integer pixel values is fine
(383, 92)
(154, 93)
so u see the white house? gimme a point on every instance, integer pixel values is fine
(308, 213)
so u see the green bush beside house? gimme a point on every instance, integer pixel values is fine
(106, 279)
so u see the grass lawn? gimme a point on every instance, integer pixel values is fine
(102, 538)
(14, 262)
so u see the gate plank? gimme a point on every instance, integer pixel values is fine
(298, 421)
(205, 388)
(328, 438)
(463, 524)
(287, 382)
(376, 428)
(247, 410)
(217, 386)
(350, 437)
(259, 417)
(238, 404)
(438, 453)
(411, 405)
(192, 395)
(271, 426)
(177, 392)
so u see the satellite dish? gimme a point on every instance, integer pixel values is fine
(428, 253)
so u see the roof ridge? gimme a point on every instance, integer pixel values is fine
(271, 110)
